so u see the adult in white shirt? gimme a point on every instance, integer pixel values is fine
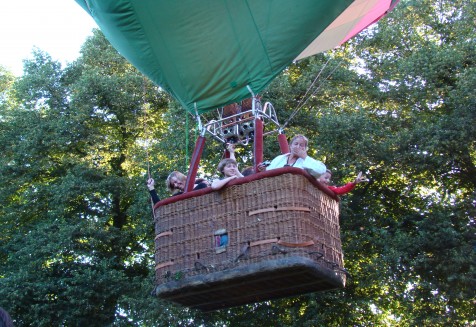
(297, 158)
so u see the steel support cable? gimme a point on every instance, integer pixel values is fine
(306, 98)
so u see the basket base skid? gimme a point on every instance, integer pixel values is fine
(257, 282)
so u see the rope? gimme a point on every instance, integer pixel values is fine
(302, 102)
(147, 148)
(146, 137)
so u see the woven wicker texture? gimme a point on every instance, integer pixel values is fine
(264, 221)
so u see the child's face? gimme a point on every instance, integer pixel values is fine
(325, 178)
(230, 169)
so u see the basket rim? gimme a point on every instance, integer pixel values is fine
(247, 179)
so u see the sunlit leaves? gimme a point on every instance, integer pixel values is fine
(397, 103)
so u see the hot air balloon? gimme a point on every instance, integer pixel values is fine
(256, 239)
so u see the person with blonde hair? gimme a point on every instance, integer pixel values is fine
(297, 157)
(175, 183)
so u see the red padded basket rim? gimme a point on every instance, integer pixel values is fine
(247, 179)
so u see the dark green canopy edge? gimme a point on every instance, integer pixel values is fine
(206, 52)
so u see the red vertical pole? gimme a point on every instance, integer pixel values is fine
(258, 143)
(283, 143)
(192, 171)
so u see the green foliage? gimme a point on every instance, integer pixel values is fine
(74, 233)
(76, 229)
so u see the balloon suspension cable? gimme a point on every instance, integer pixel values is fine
(306, 97)
(186, 137)
(199, 121)
(253, 106)
(251, 91)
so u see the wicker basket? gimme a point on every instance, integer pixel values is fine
(266, 236)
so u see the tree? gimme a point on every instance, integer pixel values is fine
(408, 121)
(397, 102)
(73, 230)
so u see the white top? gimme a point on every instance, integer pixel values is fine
(314, 167)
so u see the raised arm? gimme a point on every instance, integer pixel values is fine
(230, 147)
(152, 191)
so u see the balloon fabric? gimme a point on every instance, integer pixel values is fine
(207, 53)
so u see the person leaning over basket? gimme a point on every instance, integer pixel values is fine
(297, 158)
(175, 184)
(229, 168)
(339, 190)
